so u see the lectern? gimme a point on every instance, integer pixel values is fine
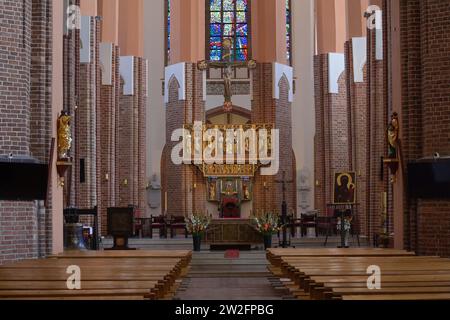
(120, 226)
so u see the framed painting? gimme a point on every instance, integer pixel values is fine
(344, 190)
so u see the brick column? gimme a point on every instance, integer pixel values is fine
(108, 111)
(332, 127)
(425, 110)
(178, 181)
(71, 96)
(86, 116)
(26, 119)
(272, 109)
(377, 103)
(356, 57)
(130, 139)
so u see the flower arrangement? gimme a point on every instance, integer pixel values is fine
(197, 224)
(268, 223)
(347, 224)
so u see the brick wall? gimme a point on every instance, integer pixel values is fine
(426, 109)
(25, 109)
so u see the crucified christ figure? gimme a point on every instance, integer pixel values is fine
(227, 64)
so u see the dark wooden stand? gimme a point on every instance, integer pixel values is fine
(120, 243)
(120, 226)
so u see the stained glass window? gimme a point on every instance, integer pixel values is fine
(288, 32)
(168, 32)
(228, 19)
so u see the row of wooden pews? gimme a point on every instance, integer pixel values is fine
(105, 275)
(341, 274)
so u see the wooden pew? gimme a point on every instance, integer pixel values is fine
(104, 275)
(274, 255)
(342, 274)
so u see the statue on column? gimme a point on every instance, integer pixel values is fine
(64, 136)
(393, 136)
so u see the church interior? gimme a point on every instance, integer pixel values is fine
(225, 149)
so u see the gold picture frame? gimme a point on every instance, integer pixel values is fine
(344, 187)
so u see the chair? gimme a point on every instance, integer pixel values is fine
(158, 223)
(294, 223)
(308, 220)
(326, 224)
(142, 227)
(177, 223)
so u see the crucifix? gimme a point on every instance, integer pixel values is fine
(283, 183)
(227, 64)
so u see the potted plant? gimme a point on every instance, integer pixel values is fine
(268, 224)
(196, 225)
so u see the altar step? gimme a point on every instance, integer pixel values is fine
(181, 243)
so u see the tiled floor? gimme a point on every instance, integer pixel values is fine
(213, 277)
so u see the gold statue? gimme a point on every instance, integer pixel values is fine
(246, 192)
(393, 135)
(212, 191)
(64, 136)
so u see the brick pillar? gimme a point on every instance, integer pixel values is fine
(378, 180)
(130, 139)
(266, 108)
(25, 117)
(40, 108)
(355, 57)
(108, 111)
(86, 117)
(179, 180)
(425, 121)
(332, 134)
(71, 87)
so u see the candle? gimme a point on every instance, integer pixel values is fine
(165, 203)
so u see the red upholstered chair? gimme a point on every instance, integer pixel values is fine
(308, 220)
(230, 207)
(294, 223)
(177, 223)
(158, 223)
